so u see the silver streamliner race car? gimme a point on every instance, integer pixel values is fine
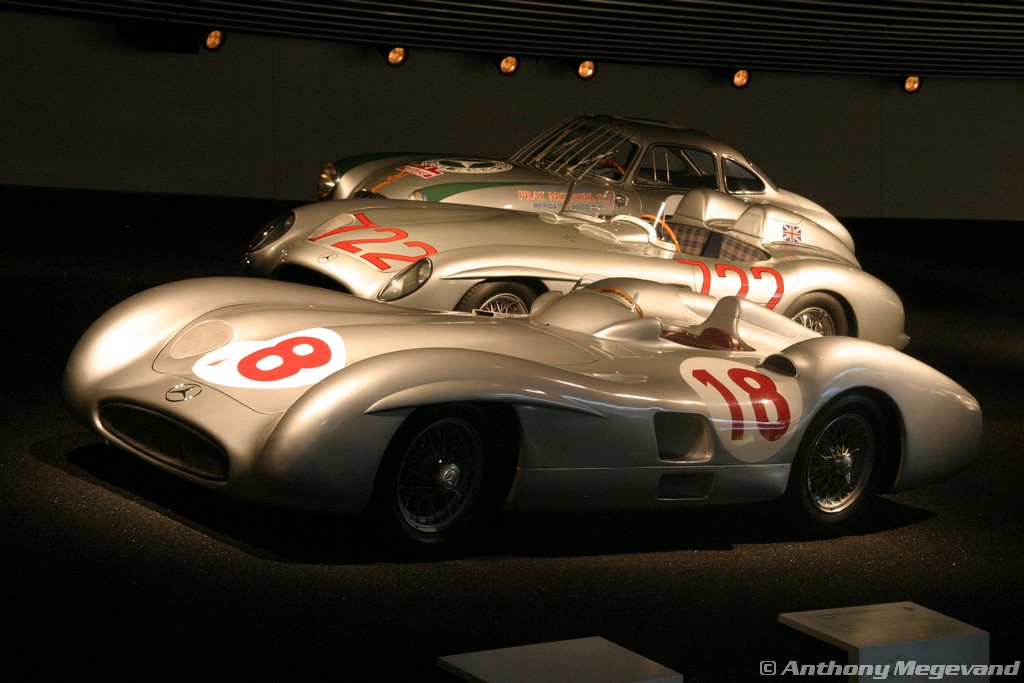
(637, 166)
(456, 257)
(622, 394)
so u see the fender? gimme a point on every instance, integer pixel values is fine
(331, 441)
(353, 170)
(927, 397)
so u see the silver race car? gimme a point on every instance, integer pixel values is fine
(640, 166)
(622, 394)
(457, 257)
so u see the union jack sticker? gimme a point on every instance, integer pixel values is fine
(791, 233)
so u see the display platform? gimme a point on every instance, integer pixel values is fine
(900, 638)
(582, 660)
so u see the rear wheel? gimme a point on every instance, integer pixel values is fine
(498, 297)
(822, 313)
(838, 465)
(440, 475)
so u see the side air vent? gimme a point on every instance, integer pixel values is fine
(682, 437)
(780, 364)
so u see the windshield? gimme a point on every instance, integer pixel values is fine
(582, 150)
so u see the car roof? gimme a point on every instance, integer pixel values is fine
(652, 131)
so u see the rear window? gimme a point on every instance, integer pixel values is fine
(741, 180)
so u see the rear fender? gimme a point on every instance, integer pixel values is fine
(938, 421)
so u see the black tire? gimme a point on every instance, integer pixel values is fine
(838, 465)
(499, 297)
(441, 476)
(822, 313)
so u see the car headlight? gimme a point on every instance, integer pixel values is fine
(328, 181)
(407, 281)
(417, 196)
(272, 231)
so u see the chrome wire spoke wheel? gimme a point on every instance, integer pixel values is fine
(840, 463)
(817, 319)
(822, 313)
(512, 298)
(505, 303)
(440, 475)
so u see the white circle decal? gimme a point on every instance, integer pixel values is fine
(469, 165)
(296, 359)
(754, 412)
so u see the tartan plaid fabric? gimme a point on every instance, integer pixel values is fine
(734, 250)
(691, 240)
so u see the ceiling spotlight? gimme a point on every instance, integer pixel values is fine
(586, 69)
(911, 84)
(508, 65)
(396, 56)
(214, 40)
(740, 78)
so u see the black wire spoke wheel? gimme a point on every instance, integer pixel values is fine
(440, 475)
(840, 464)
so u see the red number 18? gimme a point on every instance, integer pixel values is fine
(761, 390)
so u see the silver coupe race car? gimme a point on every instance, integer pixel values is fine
(457, 257)
(636, 166)
(622, 394)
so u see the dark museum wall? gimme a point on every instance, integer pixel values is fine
(258, 118)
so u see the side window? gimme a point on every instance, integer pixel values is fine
(613, 167)
(676, 167)
(741, 180)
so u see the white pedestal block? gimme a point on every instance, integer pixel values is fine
(913, 641)
(583, 660)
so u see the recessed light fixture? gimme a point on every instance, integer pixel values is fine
(740, 78)
(214, 39)
(911, 84)
(396, 56)
(586, 69)
(508, 65)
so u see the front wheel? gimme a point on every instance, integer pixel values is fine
(820, 312)
(838, 464)
(439, 476)
(498, 297)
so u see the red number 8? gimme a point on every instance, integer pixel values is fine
(292, 359)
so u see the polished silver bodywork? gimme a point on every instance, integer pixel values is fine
(624, 166)
(766, 254)
(604, 412)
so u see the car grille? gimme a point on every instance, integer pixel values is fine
(166, 440)
(367, 194)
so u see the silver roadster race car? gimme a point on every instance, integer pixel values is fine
(457, 257)
(635, 166)
(622, 394)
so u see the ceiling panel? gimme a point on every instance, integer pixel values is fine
(931, 38)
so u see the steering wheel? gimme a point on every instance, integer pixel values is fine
(611, 163)
(664, 226)
(626, 296)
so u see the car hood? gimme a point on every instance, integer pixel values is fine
(477, 181)
(388, 234)
(242, 350)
